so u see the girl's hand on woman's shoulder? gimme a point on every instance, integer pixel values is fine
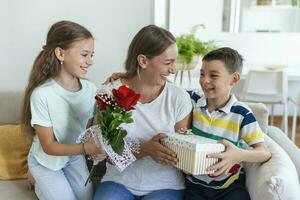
(115, 76)
(158, 152)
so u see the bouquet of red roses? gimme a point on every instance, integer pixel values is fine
(114, 110)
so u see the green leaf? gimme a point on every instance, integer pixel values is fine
(117, 141)
(114, 124)
(118, 149)
(116, 115)
(190, 46)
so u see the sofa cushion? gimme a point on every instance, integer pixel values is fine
(14, 148)
(10, 107)
(274, 179)
(16, 190)
(289, 147)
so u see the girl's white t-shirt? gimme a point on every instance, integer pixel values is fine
(66, 112)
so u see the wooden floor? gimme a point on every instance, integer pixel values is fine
(277, 123)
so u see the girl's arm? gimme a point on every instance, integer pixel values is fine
(53, 147)
(233, 155)
(115, 76)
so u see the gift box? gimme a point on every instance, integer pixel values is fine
(192, 151)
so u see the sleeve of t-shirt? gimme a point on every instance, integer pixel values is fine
(250, 130)
(93, 89)
(183, 105)
(39, 109)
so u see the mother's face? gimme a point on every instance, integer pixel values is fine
(157, 69)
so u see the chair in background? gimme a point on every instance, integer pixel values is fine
(296, 103)
(269, 87)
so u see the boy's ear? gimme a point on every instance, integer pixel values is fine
(60, 54)
(236, 77)
(142, 60)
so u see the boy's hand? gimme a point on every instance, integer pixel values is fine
(115, 76)
(229, 158)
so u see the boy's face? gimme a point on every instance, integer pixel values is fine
(215, 80)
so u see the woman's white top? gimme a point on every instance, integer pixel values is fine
(145, 175)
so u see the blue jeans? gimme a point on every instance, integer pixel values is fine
(64, 184)
(235, 191)
(115, 191)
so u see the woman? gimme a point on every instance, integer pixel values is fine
(162, 107)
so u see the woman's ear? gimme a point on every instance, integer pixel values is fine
(142, 60)
(60, 54)
(236, 77)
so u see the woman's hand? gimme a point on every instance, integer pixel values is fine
(158, 152)
(229, 158)
(115, 76)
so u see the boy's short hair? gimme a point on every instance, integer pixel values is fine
(232, 59)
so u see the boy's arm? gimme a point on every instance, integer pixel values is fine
(258, 154)
(233, 155)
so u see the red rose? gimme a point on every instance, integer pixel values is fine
(100, 102)
(125, 97)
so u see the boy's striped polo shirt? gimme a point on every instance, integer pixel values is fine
(234, 122)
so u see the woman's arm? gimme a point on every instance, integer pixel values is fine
(52, 147)
(157, 151)
(185, 123)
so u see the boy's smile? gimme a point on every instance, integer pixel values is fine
(216, 81)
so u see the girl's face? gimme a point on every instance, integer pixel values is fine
(78, 58)
(158, 68)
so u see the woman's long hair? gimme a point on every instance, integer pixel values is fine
(46, 65)
(150, 41)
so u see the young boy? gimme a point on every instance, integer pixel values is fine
(219, 115)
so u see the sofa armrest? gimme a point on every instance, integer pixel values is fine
(285, 143)
(274, 179)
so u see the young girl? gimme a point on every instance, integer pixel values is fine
(57, 106)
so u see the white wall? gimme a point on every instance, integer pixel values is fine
(24, 25)
(260, 49)
(184, 14)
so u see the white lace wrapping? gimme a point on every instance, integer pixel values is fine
(120, 161)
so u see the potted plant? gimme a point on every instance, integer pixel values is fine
(190, 49)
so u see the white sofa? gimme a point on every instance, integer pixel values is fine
(261, 182)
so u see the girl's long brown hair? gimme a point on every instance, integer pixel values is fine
(46, 65)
